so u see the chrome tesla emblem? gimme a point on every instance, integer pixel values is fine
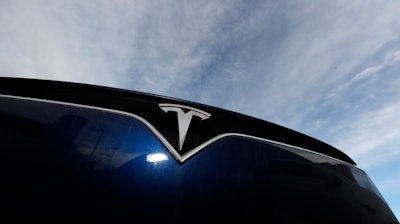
(184, 118)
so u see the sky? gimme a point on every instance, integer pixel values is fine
(328, 69)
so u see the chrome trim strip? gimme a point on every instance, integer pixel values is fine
(190, 153)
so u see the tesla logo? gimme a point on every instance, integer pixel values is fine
(184, 114)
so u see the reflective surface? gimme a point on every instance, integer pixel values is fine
(63, 163)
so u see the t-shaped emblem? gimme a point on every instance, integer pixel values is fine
(184, 118)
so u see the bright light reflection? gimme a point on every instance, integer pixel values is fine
(156, 157)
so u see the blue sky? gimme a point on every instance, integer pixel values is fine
(329, 69)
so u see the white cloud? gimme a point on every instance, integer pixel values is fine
(256, 51)
(299, 64)
(372, 138)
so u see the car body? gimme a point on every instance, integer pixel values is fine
(76, 152)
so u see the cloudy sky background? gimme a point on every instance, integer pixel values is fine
(329, 69)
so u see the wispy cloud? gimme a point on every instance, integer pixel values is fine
(373, 137)
(391, 59)
(296, 66)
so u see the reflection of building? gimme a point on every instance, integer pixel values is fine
(74, 152)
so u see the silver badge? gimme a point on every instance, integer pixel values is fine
(184, 118)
